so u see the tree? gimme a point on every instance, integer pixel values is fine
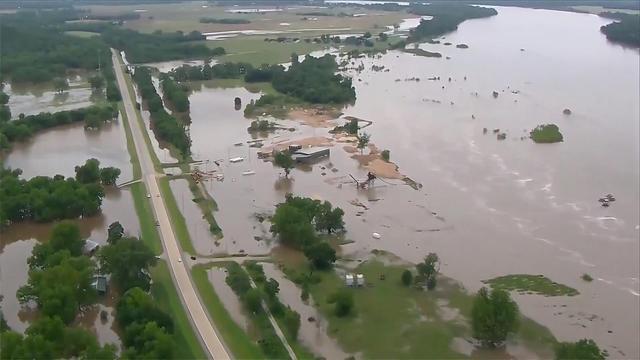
(292, 226)
(363, 141)
(329, 219)
(115, 232)
(407, 277)
(137, 306)
(343, 300)
(109, 175)
(65, 237)
(383, 37)
(252, 300)
(494, 316)
(292, 322)
(321, 255)
(366, 35)
(385, 154)
(89, 172)
(585, 349)
(96, 82)
(128, 260)
(429, 269)
(147, 341)
(284, 160)
(271, 288)
(60, 84)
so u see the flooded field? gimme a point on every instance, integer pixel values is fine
(52, 152)
(487, 207)
(34, 99)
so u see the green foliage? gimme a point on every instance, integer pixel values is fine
(166, 127)
(109, 175)
(352, 127)
(446, 18)
(585, 349)
(206, 20)
(264, 73)
(89, 172)
(363, 141)
(428, 271)
(176, 95)
(115, 232)
(158, 46)
(128, 261)
(626, 30)
(493, 317)
(536, 284)
(329, 219)
(386, 155)
(586, 277)
(262, 126)
(321, 255)
(23, 128)
(48, 338)
(343, 300)
(44, 199)
(549, 133)
(292, 226)
(313, 80)
(284, 160)
(59, 276)
(252, 300)
(291, 321)
(407, 277)
(227, 70)
(5, 115)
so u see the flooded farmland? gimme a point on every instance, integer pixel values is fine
(57, 151)
(487, 207)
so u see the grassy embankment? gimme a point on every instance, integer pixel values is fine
(240, 344)
(394, 321)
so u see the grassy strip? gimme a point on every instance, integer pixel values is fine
(164, 292)
(179, 223)
(148, 230)
(531, 284)
(416, 323)
(135, 162)
(258, 276)
(206, 204)
(236, 339)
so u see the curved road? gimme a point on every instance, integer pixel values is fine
(203, 325)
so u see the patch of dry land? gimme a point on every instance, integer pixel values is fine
(317, 117)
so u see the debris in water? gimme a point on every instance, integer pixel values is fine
(376, 235)
(249, 172)
(236, 159)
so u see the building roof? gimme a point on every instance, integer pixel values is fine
(89, 246)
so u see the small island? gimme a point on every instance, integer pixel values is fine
(549, 133)
(462, 46)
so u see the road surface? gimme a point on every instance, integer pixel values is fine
(199, 318)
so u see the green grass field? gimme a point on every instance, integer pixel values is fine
(394, 321)
(234, 337)
(82, 34)
(531, 284)
(187, 345)
(177, 219)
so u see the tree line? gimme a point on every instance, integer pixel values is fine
(25, 127)
(175, 94)
(626, 30)
(44, 198)
(165, 126)
(446, 18)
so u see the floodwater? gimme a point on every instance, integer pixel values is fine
(57, 151)
(313, 327)
(217, 276)
(487, 207)
(34, 99)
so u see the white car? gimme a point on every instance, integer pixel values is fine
(179, 259)
(148, 196)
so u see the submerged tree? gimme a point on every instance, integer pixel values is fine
(585, 349)
(363, 141)
(284, 160)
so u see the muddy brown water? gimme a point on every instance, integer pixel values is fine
(57, 151)
(312, 334)
(488, 207)
(32, 99)
(217, 276)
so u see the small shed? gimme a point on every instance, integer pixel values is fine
(348, 280)
(90, 247)
(99, 283)
(310, 154)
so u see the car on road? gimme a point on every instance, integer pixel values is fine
(148, 196)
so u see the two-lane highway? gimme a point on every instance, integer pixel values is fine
(190, 299)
